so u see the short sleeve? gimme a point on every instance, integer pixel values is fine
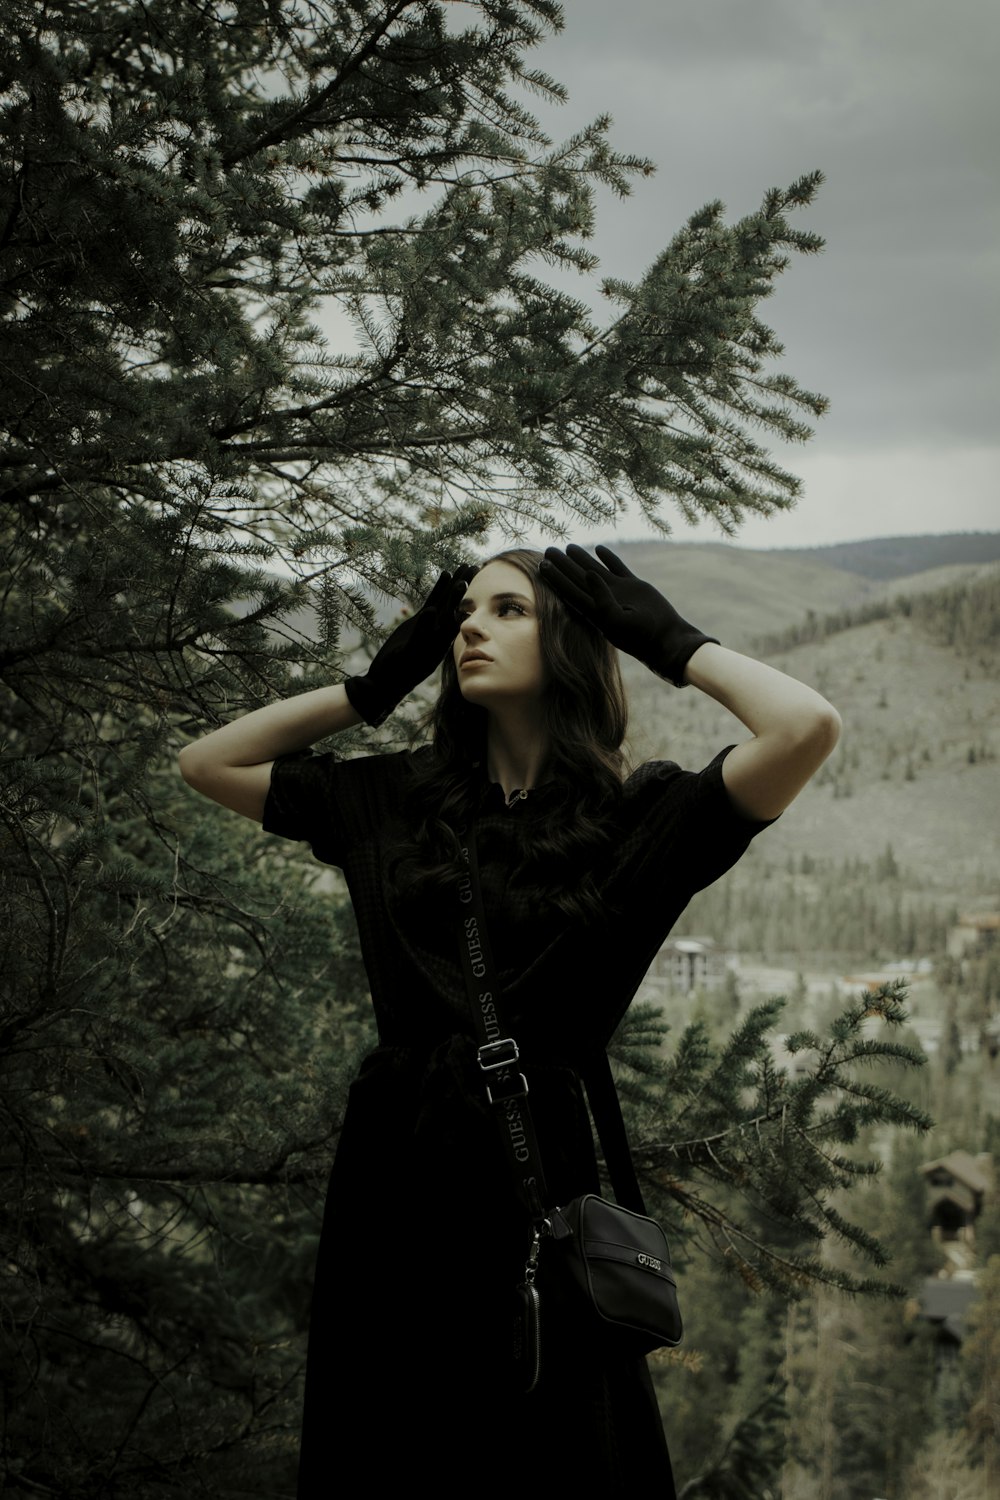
(331, 804)
(688, 819)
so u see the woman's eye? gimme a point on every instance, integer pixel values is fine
(511, 604)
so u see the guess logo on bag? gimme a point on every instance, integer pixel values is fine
(650, 1261)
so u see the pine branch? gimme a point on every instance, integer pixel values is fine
(304, 119)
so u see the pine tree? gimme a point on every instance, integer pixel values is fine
(757, 1157)
(749, 1465)
(276, 343)
(189, 197)
(981, 1361)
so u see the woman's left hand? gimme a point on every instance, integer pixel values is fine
(632, 614)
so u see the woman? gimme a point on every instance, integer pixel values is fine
(583, 874)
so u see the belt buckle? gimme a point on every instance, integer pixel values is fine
(501, 1054)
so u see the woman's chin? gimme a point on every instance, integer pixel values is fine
(474, 692)
(498, 700)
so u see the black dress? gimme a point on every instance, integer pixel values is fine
(409, 1370)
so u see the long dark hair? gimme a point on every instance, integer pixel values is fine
(585, 717)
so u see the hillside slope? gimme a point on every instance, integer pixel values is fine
(918, 766)
(946, 576)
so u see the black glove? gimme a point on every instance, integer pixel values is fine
(632, 614)
(412, 652)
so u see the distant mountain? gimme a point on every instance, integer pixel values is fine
(743, 594)
(890, 557)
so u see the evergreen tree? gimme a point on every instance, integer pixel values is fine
(749, 1466)
(981, 1361)
(276, 339)
(942, 1471)
(753, 1160)
(190, 194)
(882, 1397)
(728, 1419)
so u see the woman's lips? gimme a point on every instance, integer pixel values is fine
(473, 658)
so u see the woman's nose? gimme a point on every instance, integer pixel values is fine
(472, 625)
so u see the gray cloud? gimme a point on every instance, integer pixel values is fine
(895, 101)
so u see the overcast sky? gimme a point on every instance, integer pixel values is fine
(896, 101)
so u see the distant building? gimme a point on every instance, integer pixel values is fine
(687, 964)
(973, 933)
(944, 1302)
(956, 1185)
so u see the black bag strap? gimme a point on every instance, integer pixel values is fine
(506, 1088)
(605, 1106)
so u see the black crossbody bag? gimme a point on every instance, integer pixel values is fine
(611, 1258)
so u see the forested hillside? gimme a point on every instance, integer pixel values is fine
(917, 772)
(964, 615)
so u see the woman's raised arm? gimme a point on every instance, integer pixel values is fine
(794, 728)
(232, 765)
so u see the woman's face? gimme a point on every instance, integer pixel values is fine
(498, 651)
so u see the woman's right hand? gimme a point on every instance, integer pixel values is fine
(413, 651)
